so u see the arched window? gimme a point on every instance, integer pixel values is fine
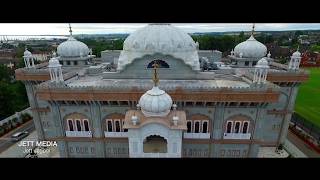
(237, 127)
(86, 125)
(78, 124)
(205, 127)
(109, 125)
(70, 124)
(117, 126)
(162, 64)
(245, 127)
(189, 124)
(197, 127)
(229, 126)
(115, 122)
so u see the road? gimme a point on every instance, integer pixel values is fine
(5, 141)
(305, 148)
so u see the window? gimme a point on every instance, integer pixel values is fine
(245, 127)
(229, 127)
(197, 127)
(162, 64)
(75, 62)
(205, 127)
(61, 62)
(246, 63)
(237, 127)
(78, 124)
(70, 123)
(68, 63)
(117, 126)
(86, 125)
(254, 63)
(109, 125)
(189, 126)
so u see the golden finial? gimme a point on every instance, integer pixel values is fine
(70, 30)
(155, 77)
(253, 26)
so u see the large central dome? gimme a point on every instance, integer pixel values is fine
(159, 38)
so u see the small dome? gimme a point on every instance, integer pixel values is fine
(72, 48)
(251, 48)
(262, 63)
(296, 54)
(54, 62)
(155, 102)
(27, 53)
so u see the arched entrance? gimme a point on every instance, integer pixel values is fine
(155, 144)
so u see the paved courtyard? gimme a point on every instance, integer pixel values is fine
(270, 152)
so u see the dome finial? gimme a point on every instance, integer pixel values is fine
(155, 77)
(298, 48)
(70, 30)
(252, 31)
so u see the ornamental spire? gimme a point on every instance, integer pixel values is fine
(155, 77)
(70, 30)
(252, 31)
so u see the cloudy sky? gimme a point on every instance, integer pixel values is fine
(105, 28)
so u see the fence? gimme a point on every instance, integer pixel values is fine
(16, 115)
(306, 126)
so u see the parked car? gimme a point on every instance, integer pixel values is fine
(19, 135)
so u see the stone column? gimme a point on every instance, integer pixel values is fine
(217, 129)
(35, 114)
(96, 126)
(59, 129)
(287, 118)
(257, 133)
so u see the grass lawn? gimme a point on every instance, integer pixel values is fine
(308, 99)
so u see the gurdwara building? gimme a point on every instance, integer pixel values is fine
(157, 101)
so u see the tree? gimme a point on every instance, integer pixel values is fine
(298, 33)
(6, 103)
(315, 48)
(2, 130)
(241, 37)
(4, 73)
(13, 96)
